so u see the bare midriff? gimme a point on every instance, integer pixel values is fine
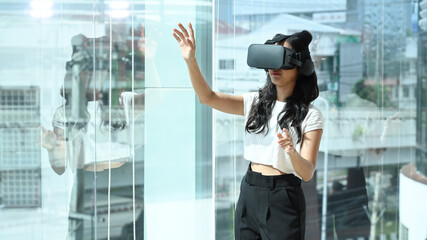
(105, 165)
(267, 170)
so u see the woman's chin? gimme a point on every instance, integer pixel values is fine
(275, 80)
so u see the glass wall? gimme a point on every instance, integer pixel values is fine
(102, 136)
(368, 57)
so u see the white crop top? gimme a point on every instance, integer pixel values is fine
(264, 149)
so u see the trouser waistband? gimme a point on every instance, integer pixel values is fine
(271, 182)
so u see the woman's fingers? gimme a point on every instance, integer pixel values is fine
(286, 132)
(181, 36)
(176, 37)
(43, 129)
(189, 41)
(286, 143)
(188, 38)
(191, 31)
(183, 30)
(186, 41)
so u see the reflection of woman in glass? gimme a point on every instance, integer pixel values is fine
(81, 126)
(77, 149)
(282, 137)
(92, 131)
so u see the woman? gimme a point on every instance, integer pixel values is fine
(82, 141)
(82, 144)
(271, 204)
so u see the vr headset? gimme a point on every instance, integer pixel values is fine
(269, 56)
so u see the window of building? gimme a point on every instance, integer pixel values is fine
(405, 92)
(226, 64)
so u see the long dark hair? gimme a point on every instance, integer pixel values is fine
(82, 48)
(296, 107)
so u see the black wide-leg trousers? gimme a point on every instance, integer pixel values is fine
(270, 208)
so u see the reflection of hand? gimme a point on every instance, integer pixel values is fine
(48, 139)
(285, 141)
(186, 41)
(56, 147)
(150, 43)
(393, 121)
(394, 117)
(126, 98)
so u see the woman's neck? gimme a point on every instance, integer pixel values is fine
(284, 92)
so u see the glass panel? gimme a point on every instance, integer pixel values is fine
(77, 160)
(369, 60)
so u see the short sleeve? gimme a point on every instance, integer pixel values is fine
(313, 120)
(248, 100)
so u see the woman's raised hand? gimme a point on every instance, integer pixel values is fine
(186, 41)
(48, 139)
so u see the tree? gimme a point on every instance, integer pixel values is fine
(374, 93)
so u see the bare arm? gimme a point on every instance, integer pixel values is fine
(304, 163)
(223, 102)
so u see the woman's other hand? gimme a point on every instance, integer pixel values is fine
(186, 41)
(54, 143)
(285, 141)
(48, 139)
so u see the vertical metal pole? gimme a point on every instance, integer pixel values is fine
(325, 171)
(374, 217)
(94, 190)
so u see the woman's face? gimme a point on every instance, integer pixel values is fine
(282, 77)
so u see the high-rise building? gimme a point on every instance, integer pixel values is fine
(20, 177)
